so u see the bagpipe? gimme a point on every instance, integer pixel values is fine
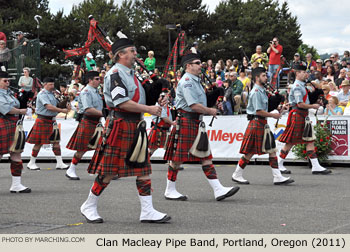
(62, 100)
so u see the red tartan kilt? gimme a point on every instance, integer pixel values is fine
(253, 137)
(153, 138)
(112, 160)
(82, 135)
(7, 133)
(41, 132)
(294, 131)
(187, 135)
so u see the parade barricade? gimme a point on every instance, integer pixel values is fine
(225, 138)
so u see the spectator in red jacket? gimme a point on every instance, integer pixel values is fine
(275, 51)
(3, 37)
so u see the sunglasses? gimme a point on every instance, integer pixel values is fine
(5, 80)
(197, 63)
(97, 78)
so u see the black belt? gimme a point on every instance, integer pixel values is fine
(45, 117)
(91, 118)
(9, 117)
(128, 116)
(189, 115)
(252, 117)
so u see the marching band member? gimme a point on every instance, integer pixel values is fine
(257, 138)
(160, 127)
(90, 108)
(9, 111)
(183, 144)
(123, 149)
(45, 130)
(299, 129)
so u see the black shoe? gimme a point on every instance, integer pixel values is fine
(99, 220)
(72, 178)
(228, 194)
(325, 172)
(181, 168)
(181, 198)
(286, 172)
(289, 181)
(240, 182)
(116, 177)
(165, 219)
(27, 190)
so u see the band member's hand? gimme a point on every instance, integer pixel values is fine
(162, 101)
(65, 111)
(155, 110)
(22, 111)
(69, 106)
(327, 106)
(315, 106)
(173, 123)
(212, 111)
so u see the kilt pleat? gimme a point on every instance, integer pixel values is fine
(253, 137)
(111, 161)
(40, 132)
(153, 138)
(82, 135)
(187, 135)
(294, 130)
(7, 133)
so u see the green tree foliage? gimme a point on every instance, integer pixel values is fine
(251, 23)
(305, 49)
(234, 23)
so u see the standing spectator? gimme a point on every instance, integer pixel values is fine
(260, 57)
(210, 65)
(327, 63)
(336, 58)
(63, 89)
(275, 50)
(336, 66)
(333, 89)
(90, 63)
(228, 98)
(319, 67)
(346, 55)
(26, 82)
(332, 107)
(20, 49)
(212, 76)
(237, 89)
(344, 93)
(219, 72)
(3, 37)
(310, 62)
(236, 65)
(330, 73)
(150, 62)
(228, 66)
(343, 63)
(246, 86)
(341, 77)
(245, 65)
(5, 55)
(291, 74)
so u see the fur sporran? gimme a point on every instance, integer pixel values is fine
(138, 153)
(55, 136)
(269, 144)
(96, 137)
(19, 138)
(200, 147)
(308, 134)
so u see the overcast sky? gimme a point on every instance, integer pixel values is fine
(324, 23)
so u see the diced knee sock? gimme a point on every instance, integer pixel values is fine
(76, 159)
(35, 152)
(311, 154)
(16, 168)
(98, 186)
(243, 162)
(57, 151)
(273, 162)
(209, 171)
(283, 154)
(144, 187)
(172, 173)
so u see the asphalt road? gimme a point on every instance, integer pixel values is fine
(313, 204)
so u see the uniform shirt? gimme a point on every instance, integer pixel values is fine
(297, 93)
(7, 101)
(257, 100)
(115, 93)
(45, 97)
(164, 114)
(189, 91)
(89, 98)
